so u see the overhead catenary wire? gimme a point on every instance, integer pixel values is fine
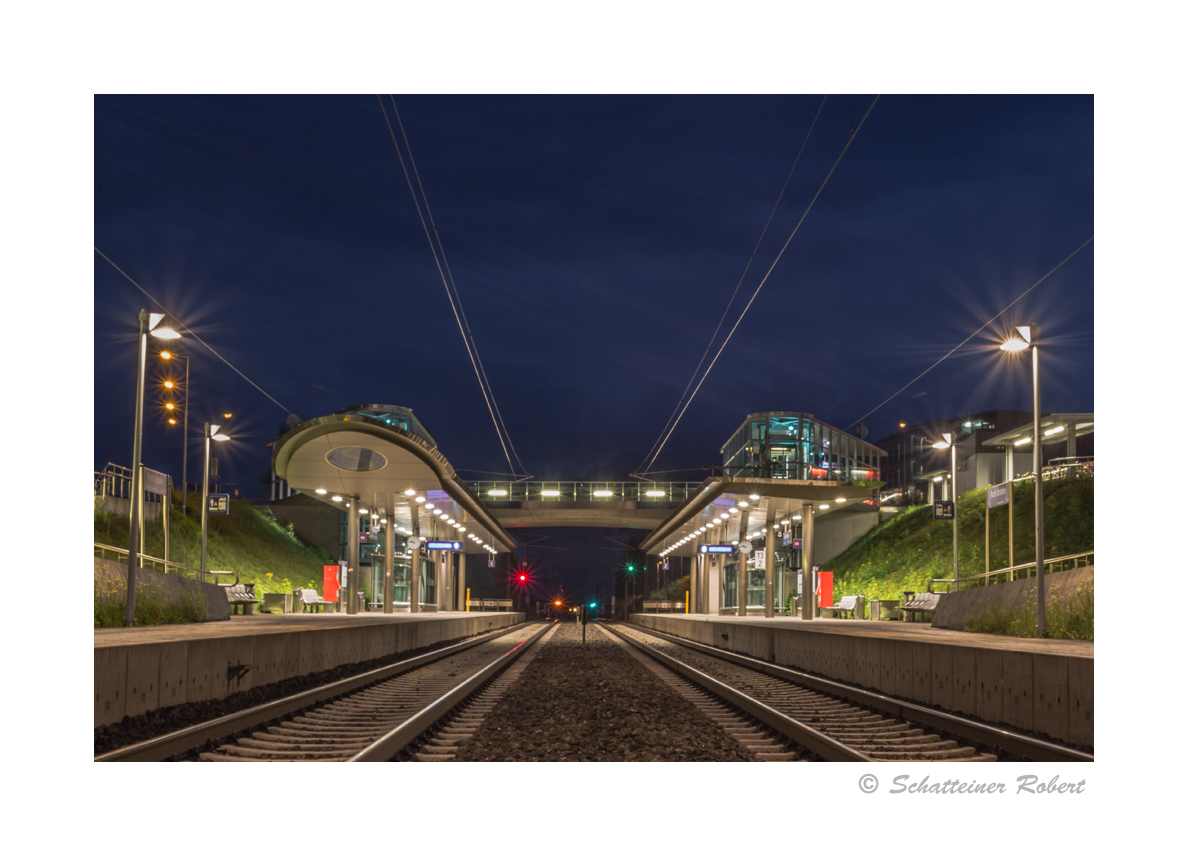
(771, 268)
(647, 460)
(455, 303)
(190, 332)
(976, 333)
(458, 298)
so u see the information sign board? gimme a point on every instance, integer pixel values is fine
(998, 495)
(943, 510)
(443, 546)
(716, 549)
(218, 504)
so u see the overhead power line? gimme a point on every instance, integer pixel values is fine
(649, 458)
(452, 291)
(192, 333)
(976, 333)
(772, 267)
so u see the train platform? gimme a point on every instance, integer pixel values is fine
(138, 670)
(1037, 685)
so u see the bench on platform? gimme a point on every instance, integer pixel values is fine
(921, 602)
(311, 601)
(241, 597)
(848, 604)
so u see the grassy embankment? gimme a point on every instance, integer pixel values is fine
(247, 540)
(907, 552)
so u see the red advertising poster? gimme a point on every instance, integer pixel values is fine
(825, 589)
(330, 583)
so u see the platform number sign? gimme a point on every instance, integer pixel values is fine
(943, 510)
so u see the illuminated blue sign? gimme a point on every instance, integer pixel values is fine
(443, 546)
(716, 549)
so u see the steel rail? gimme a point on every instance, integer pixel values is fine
(800, 733)
(1013, 743)
(167, 746)
(389, 745)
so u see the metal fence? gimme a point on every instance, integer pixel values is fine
(166, 567)
(114, 481)
(1018, 572)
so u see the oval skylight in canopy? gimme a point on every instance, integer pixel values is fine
(356, 459)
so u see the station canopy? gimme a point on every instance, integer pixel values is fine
(1053, 429)
(383, 455)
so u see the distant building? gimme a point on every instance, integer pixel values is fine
(993, 447)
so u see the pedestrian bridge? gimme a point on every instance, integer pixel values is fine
(635, 505)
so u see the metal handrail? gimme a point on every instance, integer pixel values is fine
(164, 566)
(1073, 560)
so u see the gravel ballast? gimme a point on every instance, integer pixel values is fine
(595, 704)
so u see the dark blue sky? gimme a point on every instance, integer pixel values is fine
(595, 242)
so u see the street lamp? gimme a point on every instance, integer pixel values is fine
(209, 433)
(154, 323)
(165, 355)
(948, 441)
(1030, 338)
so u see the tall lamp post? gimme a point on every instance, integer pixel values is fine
(209, 433)
(903, 466)
(165, 355)
(1030, 338)
(948, 441)
(150, 322)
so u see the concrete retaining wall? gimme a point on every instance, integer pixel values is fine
(171, 587)
(134, 679)
(1049, 694)
(956, 608)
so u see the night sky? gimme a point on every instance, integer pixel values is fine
(595, 243)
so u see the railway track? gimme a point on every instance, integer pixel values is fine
(376, 716)
(836, 722)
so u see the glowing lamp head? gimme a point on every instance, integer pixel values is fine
(1014, 344)
(160, 328)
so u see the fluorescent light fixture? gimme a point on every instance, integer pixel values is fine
(839, 500)
(410, 493)
(551, 493)
(420, 499)
(1022, 441)
(603, 494)
(1055, 430)
(429, 505)
(755, 497)
(654, 493)
(936, 478)
(497, 492)
(824, 506)
(337, 498)
(743, 504)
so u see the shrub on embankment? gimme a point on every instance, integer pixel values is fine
(247, 540)
(910, 550)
